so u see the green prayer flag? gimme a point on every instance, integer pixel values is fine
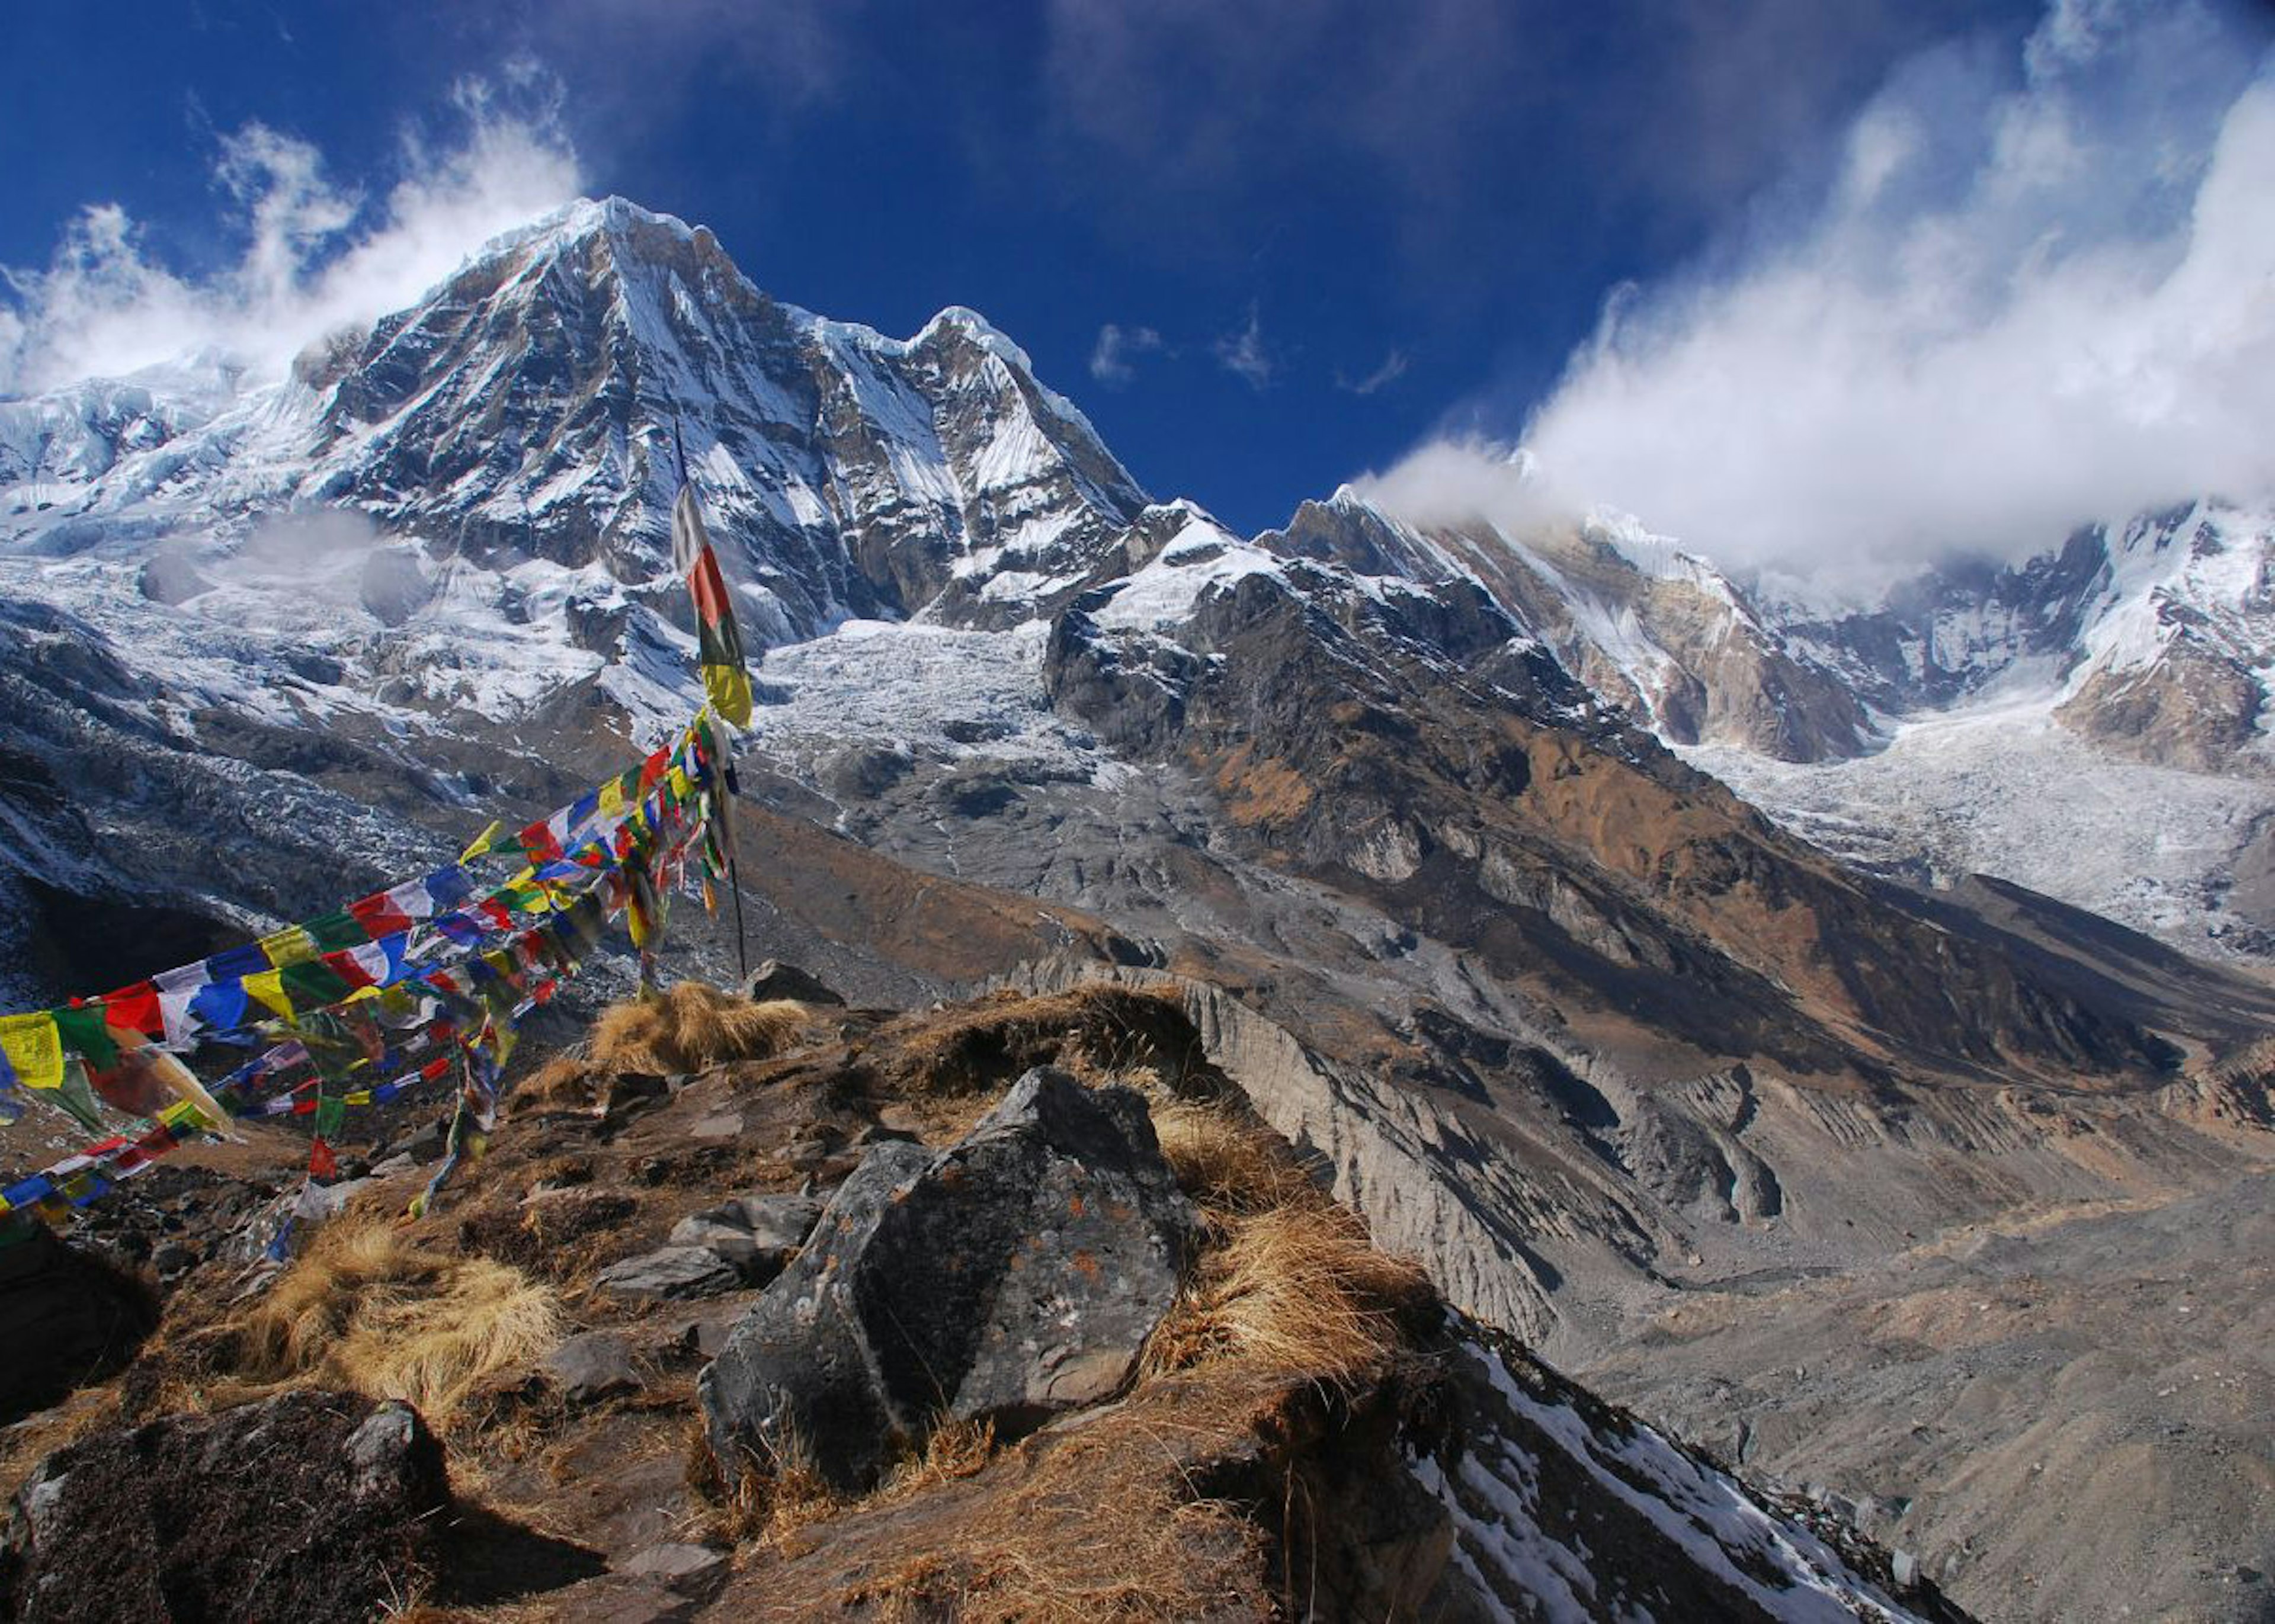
(314, 985)
(85, 1034)
(336, 929)
(74, 1096)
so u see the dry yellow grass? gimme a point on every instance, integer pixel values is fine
(690, 1028)
(767, 1506)
(1055, 1550)
(1227, 1165)
(953, 1450)
(1291, 1281)
(368, 1309)
(568, 1082)
(1095, 1030)
(1298, 1290)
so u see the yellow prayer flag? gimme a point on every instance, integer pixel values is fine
(35, 1049)
(184, 1083)
(482, 840)
(268, 988)
(288, 947)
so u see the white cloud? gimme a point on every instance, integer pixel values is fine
(1450, 481)
(1393, 368)
(1243, 355)
(1112, 359)
(2036, 293)
(317, 255)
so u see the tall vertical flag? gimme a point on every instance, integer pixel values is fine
(718, 644)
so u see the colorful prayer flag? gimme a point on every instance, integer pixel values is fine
(718, 644)
(34, 1049)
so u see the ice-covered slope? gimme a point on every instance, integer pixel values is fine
(428, 572)
(2092, 724)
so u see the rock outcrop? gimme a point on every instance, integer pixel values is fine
(1013, 1275)
(311, 1504)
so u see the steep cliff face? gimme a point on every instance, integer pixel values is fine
(1642, 623)
(1417, 748)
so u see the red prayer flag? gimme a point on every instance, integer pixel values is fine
(380, 916)
(343, 965)
(136, 1009)
(540, 844)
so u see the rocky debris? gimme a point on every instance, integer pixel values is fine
(1013, 1275)
(311, 1504)
(72, 1317)
(775, 979)
(593, 1365)
(171, 1207)
(688, 1569)
(671, 1274)
(759, 1234)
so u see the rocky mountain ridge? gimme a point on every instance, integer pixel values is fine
(1591, 1035)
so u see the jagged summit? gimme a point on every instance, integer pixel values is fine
(529, 407)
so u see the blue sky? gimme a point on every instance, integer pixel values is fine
(1324, 234)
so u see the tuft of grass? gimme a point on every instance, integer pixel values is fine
(690, 1028)
(368, 1309)
(1229, 1164)
(1096, 1031)
(1291, 1282)
(768, 1505)
(1300, 1290)
(568, 1082)
(953, 1450)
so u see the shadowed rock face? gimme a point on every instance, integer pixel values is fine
(1477, 795)
(75, 1320)
(1014, 1275)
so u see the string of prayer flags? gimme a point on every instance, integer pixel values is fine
(429, 958)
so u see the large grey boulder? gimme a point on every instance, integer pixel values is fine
(1013, 1275)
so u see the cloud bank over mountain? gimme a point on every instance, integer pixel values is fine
(2033, 292)
(316, 255)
